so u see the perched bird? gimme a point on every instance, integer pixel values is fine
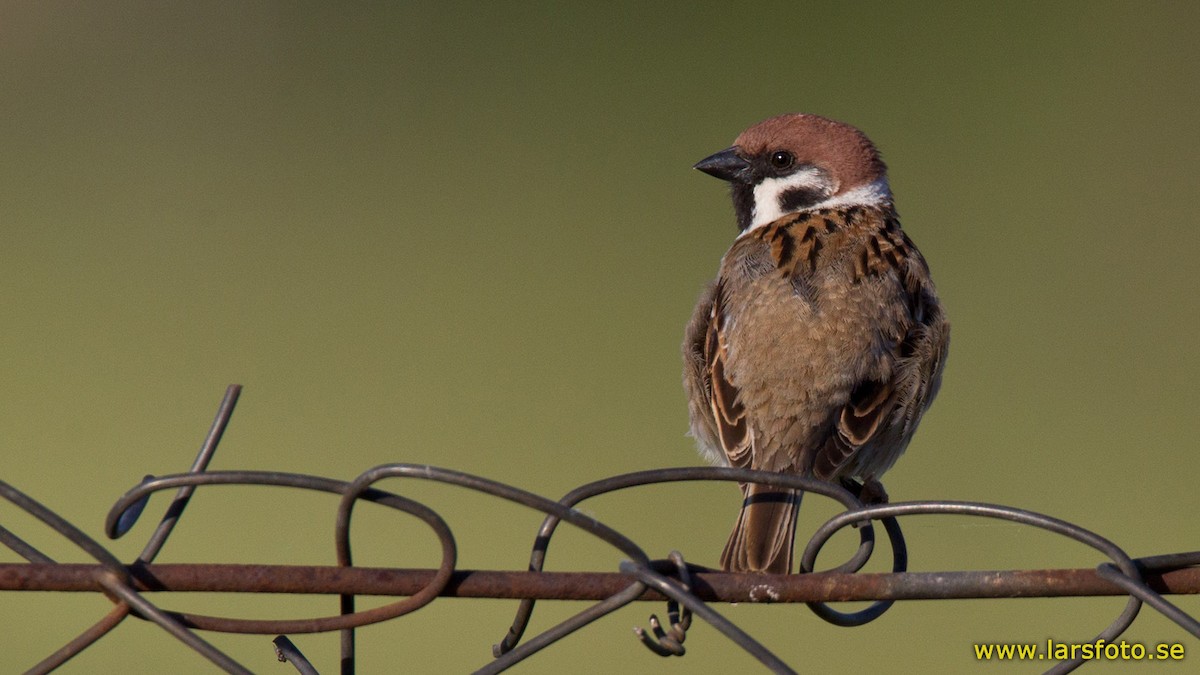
(821, 342)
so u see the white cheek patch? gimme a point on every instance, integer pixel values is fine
(871, 194)
(767, 193)
(766, 196)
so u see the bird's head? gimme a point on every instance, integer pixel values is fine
(798, 162)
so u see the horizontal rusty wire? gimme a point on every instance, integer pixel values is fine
(686, 588)
(710, 586)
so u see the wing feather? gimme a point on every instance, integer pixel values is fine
(885, 413)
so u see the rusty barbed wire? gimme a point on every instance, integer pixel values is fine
(687, 588)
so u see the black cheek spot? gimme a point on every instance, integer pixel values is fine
(799, 198)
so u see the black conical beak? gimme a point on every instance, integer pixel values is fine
(726, 165)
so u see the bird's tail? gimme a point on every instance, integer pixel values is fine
(765, 532)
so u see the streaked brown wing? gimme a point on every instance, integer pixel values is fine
(888, 411)
(718, 418)
(727, 410)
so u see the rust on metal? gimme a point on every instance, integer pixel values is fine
(513, 585)
(687, 589)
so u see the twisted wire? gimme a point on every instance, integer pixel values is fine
(683, 585)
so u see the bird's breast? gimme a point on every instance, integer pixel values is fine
(799, 343)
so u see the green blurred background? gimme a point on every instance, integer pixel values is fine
(470, 236)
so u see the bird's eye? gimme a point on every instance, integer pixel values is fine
(782, 159)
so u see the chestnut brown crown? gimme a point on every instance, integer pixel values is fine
(795, 162)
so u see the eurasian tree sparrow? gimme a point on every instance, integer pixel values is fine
(821, 342)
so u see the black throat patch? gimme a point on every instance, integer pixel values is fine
(743, 204)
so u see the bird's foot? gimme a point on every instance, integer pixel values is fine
(869, 492)
(872, 492)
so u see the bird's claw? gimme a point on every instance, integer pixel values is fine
(669, 642)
